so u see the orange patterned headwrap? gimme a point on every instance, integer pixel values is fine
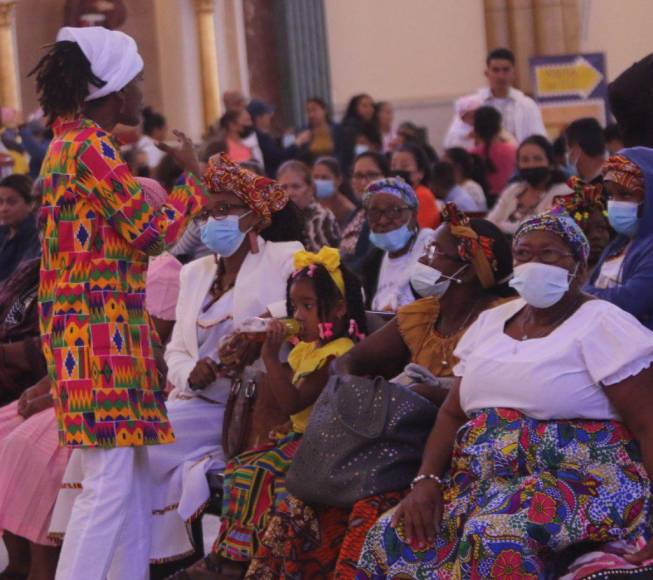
(262, 195)
(472, 248)
(623, 171)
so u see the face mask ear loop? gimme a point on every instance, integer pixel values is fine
(252, 236)
(575, 272)
(455, 277)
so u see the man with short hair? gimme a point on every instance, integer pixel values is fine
(586, 149)
(521, 115)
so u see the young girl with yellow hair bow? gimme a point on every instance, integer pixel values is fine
(327, 302)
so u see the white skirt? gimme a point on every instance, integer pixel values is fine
(179, 487)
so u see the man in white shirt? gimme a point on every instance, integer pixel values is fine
(521, 115)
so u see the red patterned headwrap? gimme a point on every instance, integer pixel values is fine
(472, 248)
(262, 195)
(623, 171)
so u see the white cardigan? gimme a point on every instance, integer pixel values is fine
(261, 281)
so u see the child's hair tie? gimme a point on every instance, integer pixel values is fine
(326, 330)
(354, 331)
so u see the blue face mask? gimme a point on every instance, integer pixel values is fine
(324, 188)
(392, 241)
(223, 236)
(624, 217)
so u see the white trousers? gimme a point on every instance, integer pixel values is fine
(109, 531)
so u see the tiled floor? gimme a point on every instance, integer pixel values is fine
(210, 525)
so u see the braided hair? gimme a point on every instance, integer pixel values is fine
(328, 296)
(62, 78)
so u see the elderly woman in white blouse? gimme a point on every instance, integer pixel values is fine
(545, 442)
(251, 228)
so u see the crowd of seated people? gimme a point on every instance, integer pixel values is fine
(513, 299)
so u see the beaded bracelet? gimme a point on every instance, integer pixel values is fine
(424, 477)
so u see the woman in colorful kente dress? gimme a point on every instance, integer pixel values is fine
(545, 442)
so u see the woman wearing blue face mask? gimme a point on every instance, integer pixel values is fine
(624, 274)
(328, 181)
(391, 211)
(543, 443)
(320, 225)
(252, 230)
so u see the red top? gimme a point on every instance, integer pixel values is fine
(504, 157)
(428, 215)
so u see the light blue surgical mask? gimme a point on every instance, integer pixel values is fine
(324, 188)
(223, 236)
(392, 241)
(624, 217)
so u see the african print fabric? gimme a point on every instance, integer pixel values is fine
(519, 491)
(623, 171)
(263, 195)
(254, 486)
(97, 234)
(317, 543)
(558, 222)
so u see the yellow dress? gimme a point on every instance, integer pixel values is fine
(306, 358)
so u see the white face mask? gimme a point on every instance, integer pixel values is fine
(427, 281)
(541, 285)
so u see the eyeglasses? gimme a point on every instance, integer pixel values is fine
(432, 251)
(391, 214)
(221, 211)
(371, 176)
(546, 256)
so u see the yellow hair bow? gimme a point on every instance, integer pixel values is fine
(327, 257)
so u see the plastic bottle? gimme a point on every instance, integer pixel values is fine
(258, 325)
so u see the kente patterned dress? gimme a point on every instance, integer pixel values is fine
(97, 340)
(304, 541)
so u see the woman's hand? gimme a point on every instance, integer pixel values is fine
(205, 372)
(35, 405)
(185, 155)
(303, 138)
(239, 351)
(421, 513)
(275, 339)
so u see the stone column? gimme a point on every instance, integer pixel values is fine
(549, 27)
(522, 34)
(9, 95)
(496, 24)
(205, 10)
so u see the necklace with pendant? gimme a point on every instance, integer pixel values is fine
(550, 327)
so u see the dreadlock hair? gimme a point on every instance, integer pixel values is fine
(62, 78)
(328, 296)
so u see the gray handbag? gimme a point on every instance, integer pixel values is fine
(364, 437)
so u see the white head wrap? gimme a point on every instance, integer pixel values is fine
(467, 104)
(113, 56)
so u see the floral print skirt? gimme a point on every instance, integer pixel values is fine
(519, 491)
